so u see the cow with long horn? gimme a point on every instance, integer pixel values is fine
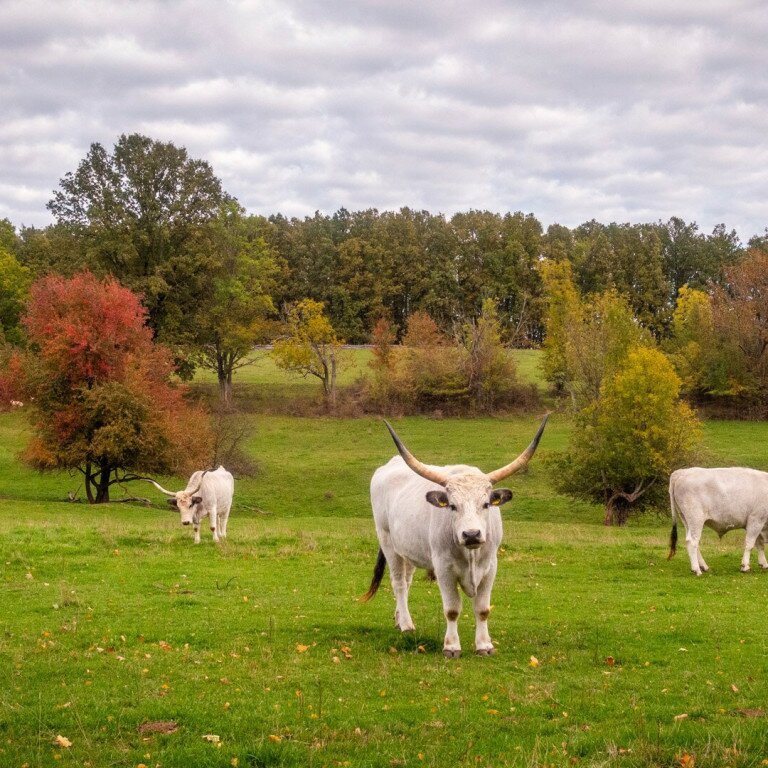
(208, 494)
(446, 520)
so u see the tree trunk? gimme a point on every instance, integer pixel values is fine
(97, 483)
(224, 374)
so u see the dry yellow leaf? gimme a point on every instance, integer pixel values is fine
(301, 648)
(62, 741)
(534, 662)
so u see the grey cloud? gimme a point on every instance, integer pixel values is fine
(569, 111)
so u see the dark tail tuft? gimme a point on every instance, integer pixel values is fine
(378, 575)
(672, 542)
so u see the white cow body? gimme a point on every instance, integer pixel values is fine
(414, 534)
(723, 499)
(447, 521)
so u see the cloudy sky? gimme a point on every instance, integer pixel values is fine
(619, 110)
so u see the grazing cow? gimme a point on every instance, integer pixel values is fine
(446, 520)
(207, 493)
(722, 499)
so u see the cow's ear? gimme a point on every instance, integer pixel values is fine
(173, 502)
(500, 496)
(197, 499)
(438, 498)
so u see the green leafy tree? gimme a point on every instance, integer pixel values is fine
(625, 444)
(15, 281)
(310, 346)
(141, 213)
(563, 309)
(234, 313)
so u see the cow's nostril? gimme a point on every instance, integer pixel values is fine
(186, 522)
(471, 536)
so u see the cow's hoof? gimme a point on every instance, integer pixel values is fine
(485, 651)
(764, 567)
(745, 569)
(696, 573)
(451, 654)
(407, 629)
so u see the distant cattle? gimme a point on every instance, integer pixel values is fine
(446, 520)
(723, 499)
(208, 494)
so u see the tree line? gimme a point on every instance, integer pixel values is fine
(215, 279)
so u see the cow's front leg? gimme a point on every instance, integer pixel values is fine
(196, 526)
(400, 575)
(449, 591)
(482, 605)
(213, 516)
(754, 530)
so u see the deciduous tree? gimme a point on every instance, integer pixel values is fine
(310, 346)
(105, 403)
(626, 443)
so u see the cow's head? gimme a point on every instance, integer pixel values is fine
(186, 502)
(470, 496)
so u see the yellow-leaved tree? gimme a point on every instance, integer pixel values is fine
(310, 346)
(625, 444)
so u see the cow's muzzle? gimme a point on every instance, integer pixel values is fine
(472, 539)
(186, 522)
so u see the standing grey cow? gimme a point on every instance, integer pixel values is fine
(208, 493)
(722, 499)
(447, 520)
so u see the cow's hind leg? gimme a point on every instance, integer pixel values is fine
(482, 606)
(449, 591)
(692, 539)
(754, 529)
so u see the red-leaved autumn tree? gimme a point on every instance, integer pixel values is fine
(105, 402)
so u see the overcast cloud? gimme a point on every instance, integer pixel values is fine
(627, 111)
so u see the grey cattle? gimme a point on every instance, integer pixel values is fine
(208, 494)
(722, 499)
(446, 520)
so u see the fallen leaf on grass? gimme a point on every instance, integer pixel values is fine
(62, 741)
(158, 726)
(678, 718)
(534, 662)
(734, 688)
(212, 738)
(301, 648)
(610, 661)
(275, 738)
(165, 645)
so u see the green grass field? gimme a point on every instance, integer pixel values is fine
(120, 637)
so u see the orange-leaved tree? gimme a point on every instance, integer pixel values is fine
(104, 396)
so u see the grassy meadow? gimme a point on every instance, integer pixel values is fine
(124, 644)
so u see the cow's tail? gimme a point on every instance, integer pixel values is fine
(378, 575)
(673, 532)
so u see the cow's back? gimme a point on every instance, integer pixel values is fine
(218, 486)
(726, 495)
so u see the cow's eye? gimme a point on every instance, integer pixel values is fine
(486, 505)
(453, 507)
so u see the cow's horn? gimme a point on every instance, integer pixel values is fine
(420, 469)
(158, 486)
(521, 460)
